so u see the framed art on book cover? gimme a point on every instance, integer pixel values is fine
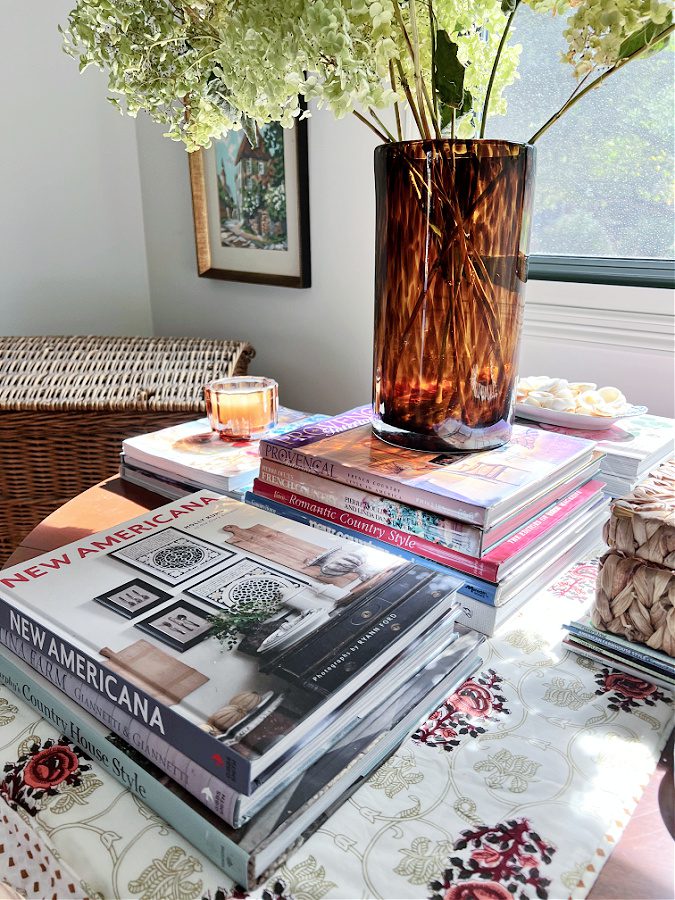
(250, 203)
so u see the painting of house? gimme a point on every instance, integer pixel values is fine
(252, 189)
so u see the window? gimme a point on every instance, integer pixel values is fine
(603, 208)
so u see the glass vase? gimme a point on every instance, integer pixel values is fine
(452, 234)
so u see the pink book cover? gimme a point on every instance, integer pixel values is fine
(488, 567)
(480, 488)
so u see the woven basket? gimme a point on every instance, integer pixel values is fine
(643, 523)
(636, 600)
(66, 403)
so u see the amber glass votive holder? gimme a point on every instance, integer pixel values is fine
(242, 408)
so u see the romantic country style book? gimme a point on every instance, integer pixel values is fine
(493, 566)
(479, 488)
(230, 633)
(460, 536)
(247, 853)
(486, 606)
(192, 452)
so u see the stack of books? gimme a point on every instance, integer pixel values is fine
(183, 458)
(506, 521)
(240, 672)
(631, 447)
(637, 660)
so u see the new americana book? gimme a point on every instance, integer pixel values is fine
(460, 536)
(231, 806)
(479, 488)
(485, 606)
(246, 854)
(631, 446)
(229, 632)
(493, 566)
(191, 451)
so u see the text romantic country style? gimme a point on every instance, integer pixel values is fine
(106, 542)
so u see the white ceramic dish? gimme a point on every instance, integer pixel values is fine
(574, 420)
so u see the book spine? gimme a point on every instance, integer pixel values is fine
(426, 550)
(634, 653)
(450, 533)
(482, 592)
(185, 736)
(92, 738)
(221, 799)
(541, 526)
(312, 432)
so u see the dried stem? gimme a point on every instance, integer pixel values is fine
(370, 125)
(397, 112)
(379, 121)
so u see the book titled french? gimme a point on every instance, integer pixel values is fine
(134, 613)
(491, 567)
(482, 489)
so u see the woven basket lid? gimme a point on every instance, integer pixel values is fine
(114, 373)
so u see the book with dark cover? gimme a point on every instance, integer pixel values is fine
(133, 613)
(480, 488)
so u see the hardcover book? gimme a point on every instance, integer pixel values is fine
(193, 452)
(631, 446)
(229, 632)
(460, 536)
(246, 854)
(231, 806)
(493, 566)
(479, 488)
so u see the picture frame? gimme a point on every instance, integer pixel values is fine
(171, 555)
(180, 626)
(251, 207)
(133, 598)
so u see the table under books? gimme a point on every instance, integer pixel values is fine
(520, 785)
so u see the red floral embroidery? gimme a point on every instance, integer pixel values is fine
(627, 692)
(578, 583)
(465, 712)
(477, 890)
(41, 772)
(50, 767)
(498, 863)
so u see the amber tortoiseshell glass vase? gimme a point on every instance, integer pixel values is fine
(452, 238)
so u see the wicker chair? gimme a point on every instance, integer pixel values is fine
(66, 403)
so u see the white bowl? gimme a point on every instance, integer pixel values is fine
(574, 420)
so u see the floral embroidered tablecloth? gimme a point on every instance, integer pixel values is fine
(517, 787)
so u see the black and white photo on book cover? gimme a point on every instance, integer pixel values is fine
(218, 625)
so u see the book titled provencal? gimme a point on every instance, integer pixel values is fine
(479, 488)
(229, 632)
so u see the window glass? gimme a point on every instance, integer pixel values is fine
(604, 183)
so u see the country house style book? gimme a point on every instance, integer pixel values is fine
(191, 452)
(479, 488)
(230, 633)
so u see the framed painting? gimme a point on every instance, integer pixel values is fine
(251, 207)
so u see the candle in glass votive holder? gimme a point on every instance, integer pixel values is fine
(242, 408)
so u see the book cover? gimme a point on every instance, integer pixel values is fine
(614, 660)
(304, 619)
(479, 488)
(245, 853)
(490, 567)
(460, 536)
(192, 451)
(631, 446)
(640, 652)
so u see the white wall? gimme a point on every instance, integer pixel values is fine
(317, 342)
(72, 250)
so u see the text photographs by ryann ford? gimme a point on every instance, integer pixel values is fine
(172, 555)
(133, 598)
